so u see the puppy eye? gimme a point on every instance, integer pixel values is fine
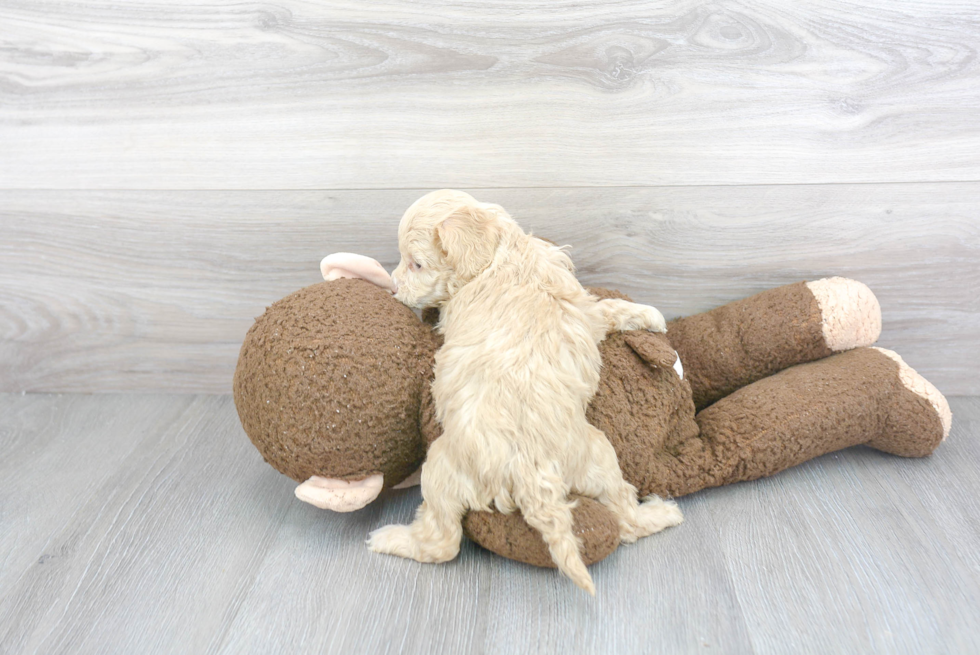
(416, 266)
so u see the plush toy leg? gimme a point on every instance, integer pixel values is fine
(863, 396)
(910, 421)
(734, 345)
(510, 536)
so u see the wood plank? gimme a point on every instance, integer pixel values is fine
(860, 551)
(188, 542)
(153, 291)
(56, 452)
(160, 544)
(645, 601)
(345, 96)
(479, 602)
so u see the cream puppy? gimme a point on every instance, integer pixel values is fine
(518, 368)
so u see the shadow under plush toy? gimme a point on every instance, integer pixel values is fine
(333, 388)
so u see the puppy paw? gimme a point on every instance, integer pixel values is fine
(654, 319)
(622, 315)
(654, 514)
(393, 540)
(401, 540)
(627, 534)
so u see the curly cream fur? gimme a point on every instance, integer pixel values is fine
(512, 382)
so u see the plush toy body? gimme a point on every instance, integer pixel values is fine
(333, 382)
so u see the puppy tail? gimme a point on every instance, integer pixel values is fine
(543, 500)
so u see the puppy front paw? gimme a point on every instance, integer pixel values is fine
(651, 319)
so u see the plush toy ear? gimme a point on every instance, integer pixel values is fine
(468, 239)
(652, 347)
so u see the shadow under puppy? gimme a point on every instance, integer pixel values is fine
(519, 365)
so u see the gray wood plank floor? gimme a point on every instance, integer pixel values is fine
(149, 524)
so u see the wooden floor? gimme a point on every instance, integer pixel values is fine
(149, 524)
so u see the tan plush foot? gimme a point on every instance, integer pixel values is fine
(850, 312)
(340, 495)
(414, 480)
(922, 388)
(914, 416)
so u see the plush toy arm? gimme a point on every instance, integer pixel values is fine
(734, 345)
(653, 348)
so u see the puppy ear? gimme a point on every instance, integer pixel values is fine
(468, 238)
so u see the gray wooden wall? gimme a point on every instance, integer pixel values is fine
(168, 170)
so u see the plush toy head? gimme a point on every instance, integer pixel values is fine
(330, 382)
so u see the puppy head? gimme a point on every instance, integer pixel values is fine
(446, 238)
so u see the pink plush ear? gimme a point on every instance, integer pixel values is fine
(346, 264)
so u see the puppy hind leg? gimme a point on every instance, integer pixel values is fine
(433, 536)
(604, 482)
(543, 500)
(437, 530)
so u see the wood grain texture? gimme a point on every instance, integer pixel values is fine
(154, 291)
(160, 521)
(149, 524)
(295, 94)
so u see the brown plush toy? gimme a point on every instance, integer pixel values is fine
(332, 387)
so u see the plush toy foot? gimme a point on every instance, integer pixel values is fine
(850, 313)
(340, 495)
(862, 396)
(918, 418)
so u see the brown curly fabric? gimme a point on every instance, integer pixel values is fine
(805, 411)
(736, 344)
(508, 535)
(329, 383)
